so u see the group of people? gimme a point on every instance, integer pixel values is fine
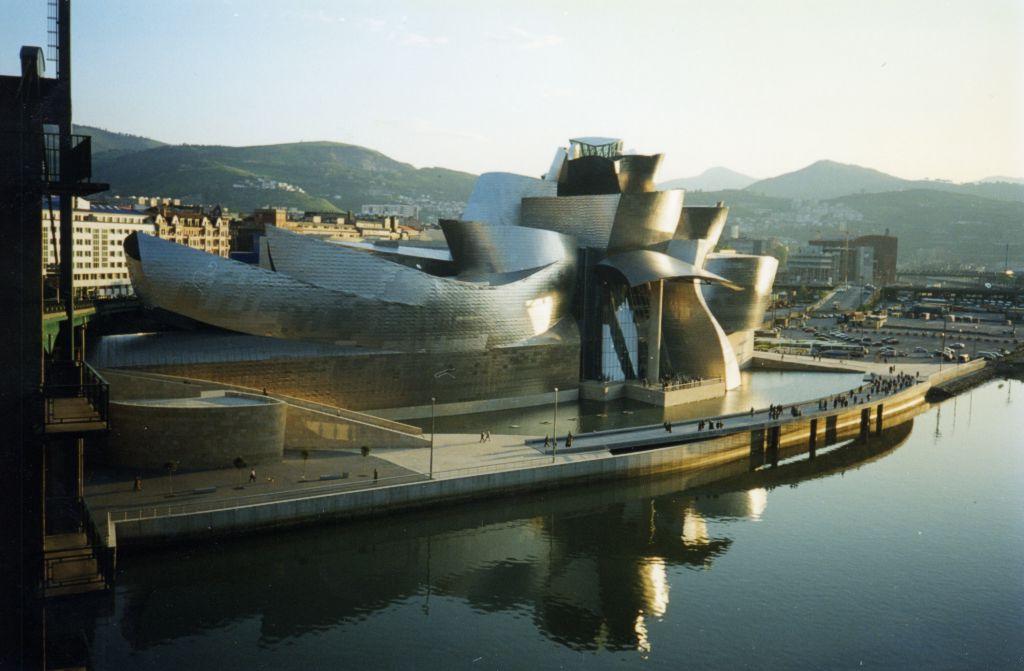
(568, 440)
(775, 411)
(485, 436)
(893, 384)
(710, 425)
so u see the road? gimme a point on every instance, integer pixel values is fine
(849, 298)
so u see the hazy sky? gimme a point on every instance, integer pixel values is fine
(916, 88)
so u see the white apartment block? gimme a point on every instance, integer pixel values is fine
(100, 230)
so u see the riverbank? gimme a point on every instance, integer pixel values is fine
(467, 469)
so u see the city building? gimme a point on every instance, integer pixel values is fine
(589, 281)
(391, 210)
(191, 226)
(100, 270)
(865, 259)
(811, 265)
(334, 226)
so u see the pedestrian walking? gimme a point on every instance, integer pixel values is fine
(252, 475)
(138, 484)
(375, 475)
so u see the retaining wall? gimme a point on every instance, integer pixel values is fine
(793, 435)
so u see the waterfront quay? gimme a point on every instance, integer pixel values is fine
(461, 467)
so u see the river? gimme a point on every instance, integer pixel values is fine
(902, 551)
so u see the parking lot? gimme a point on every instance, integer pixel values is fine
(908, 339)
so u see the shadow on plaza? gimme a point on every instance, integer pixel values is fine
(581, 563)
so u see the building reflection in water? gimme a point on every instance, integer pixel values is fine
(591, 567)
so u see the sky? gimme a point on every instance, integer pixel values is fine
(917, 88)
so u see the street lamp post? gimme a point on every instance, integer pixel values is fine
(554, 429)
(942, 354)
(433, 400)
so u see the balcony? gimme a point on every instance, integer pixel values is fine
(77, 398)
(76, 179)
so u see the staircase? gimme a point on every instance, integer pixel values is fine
(72, 566)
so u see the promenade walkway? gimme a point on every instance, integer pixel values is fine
(455, 455)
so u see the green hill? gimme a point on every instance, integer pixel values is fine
(712, 179)
(108, 143)
(331, 176)
(827, 179)
(824, 180)
(933, 227)
(936, 227)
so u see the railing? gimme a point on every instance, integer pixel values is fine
(47, 147)
(75, 379)
(98, 549)
(106, 555)
(807, 410)
(54, 307)
(150, 512)
(676, 386)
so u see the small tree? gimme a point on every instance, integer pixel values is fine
(170, 467)
(239, 464)
(305, 458)
(365, 451)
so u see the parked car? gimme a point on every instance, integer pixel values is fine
(920, 349)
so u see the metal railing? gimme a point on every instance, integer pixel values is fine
(808, 410)
(155, 511)
(676, 386)
(46, 149)
(75, 379)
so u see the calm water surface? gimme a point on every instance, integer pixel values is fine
(903, 551)
(758, 389)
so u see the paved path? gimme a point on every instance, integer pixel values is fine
(113, 490)
(455, 455)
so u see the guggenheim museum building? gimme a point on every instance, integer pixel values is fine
(588, 279)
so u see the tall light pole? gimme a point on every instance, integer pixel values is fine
(433, 400)
(942, 355)
(554, 429)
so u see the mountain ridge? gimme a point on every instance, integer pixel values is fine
(717, 178)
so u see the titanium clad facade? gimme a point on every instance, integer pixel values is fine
(702, 223)
(693, 341)
(741, 310)
(317, 291)
(641, 266)
(353, 378)
(589, 273)
(645, 219)
(589, 219)
(482, 250)
(497, 196)
(636, 172)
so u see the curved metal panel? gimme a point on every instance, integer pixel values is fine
(645, 219)
(691, 251)
(480, 249)
(644, 265)
(743, 310)
(589, 219)
(497, 196)
(346, 296)
(694, 342)
(702, 223)
(637, 171)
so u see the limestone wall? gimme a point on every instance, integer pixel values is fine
(195, 434)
